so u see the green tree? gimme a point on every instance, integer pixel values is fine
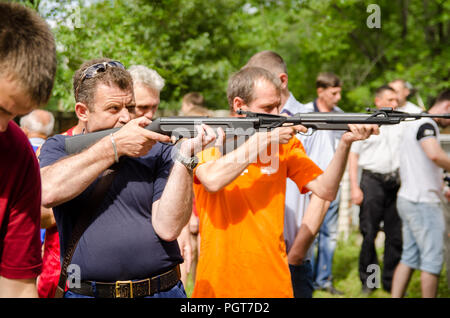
(195, 44)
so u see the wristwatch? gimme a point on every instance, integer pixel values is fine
(189, 162)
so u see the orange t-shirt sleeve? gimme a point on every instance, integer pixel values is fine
(301, 169)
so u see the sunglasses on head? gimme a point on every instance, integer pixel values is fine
(93, 70)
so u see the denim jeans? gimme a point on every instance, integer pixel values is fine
(423, 229)
(302, 280)
(326, 244)
(176, 291)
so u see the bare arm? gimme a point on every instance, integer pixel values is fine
(312, 220)
(184, 242)
(327, 184)
(173, 210)
(67, 178)
(356, 193)
(47, 218)
(215, 175)
(434, 152)
(18, 288)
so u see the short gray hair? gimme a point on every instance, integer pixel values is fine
(147, 76)
(33, 122)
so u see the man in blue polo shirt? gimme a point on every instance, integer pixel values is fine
(132, 235)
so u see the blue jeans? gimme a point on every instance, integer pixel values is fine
(326, 242)
(302, 280)
(176, 291)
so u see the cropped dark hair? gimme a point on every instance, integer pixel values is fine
(269, 60)
(242, 83)
(380, 90)
(84, 91)
(327, 79)
(27, 51)
(443, 96)
(194, 98)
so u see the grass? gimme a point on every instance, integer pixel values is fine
(346, 275)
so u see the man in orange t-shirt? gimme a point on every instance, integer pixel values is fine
(240, 197)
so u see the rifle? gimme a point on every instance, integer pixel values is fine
(179, 127)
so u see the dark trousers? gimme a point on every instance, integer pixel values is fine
(302, 280)
(379, 204)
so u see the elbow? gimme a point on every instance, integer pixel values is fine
(328, 195)
(433, 157)
(210, 182)
(166, 231)
(167, 235)
(48, 199)
(211, 187)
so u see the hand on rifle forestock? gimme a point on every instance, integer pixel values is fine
(360, 132)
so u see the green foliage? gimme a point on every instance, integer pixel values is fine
(195, 44)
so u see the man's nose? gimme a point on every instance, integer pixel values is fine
(125, 116)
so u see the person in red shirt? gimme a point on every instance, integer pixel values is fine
(27, 72)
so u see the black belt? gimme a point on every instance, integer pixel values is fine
(131, 289)
(383, 177)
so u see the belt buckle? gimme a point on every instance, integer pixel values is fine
(124, 283)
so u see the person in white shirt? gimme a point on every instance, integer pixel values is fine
(402, 90)
(419, 204)
(377, 194)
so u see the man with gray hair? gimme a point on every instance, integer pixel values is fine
(37, 126)
(402, 88)
(147, 85)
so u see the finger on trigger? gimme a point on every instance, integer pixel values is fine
(209, 130)
(300, 128)
(220, 136)
(155, 136)
(200, 131)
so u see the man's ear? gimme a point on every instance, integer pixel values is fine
(377, 101)
(82, 111)
(238, 103)
(284, 80)
(320, 90)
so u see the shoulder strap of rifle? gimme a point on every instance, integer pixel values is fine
(96, 199)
